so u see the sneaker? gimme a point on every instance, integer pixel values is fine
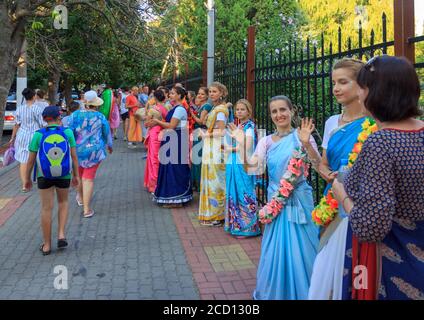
(125, 138)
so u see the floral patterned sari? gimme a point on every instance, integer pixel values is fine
(212, 181)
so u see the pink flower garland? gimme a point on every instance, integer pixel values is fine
(298, 166)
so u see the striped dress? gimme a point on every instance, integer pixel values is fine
(30, 120)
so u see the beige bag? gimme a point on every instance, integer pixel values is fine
(140, 114)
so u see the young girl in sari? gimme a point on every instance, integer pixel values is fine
(199, 116)
(212, 182)
(340, 135)
(174, 178)
(290, 241)
(152, 142)
(240, 218)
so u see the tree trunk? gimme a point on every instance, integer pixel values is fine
(68, 90)
(53, 86)
(12, 36)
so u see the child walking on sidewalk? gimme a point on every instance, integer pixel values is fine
(53, 148)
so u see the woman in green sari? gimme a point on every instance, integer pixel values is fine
(212, 182)
(199, 117)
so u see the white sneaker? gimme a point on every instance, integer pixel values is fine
(125, 138)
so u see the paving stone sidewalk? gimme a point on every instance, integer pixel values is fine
(130, 249)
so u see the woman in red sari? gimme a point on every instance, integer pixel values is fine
(152, 142)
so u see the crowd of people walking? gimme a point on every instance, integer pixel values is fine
(370, 216)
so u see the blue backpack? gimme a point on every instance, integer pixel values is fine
(54, 155)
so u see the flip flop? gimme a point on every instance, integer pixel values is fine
(62, 243)
(45, 253)
(89, 214)
(80, 204)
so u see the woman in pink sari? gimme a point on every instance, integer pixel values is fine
(152, 142)
(114, 118)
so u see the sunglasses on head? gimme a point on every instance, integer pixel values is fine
(370, 64)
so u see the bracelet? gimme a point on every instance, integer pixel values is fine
(344, 199)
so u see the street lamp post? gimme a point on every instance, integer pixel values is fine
(211, 40)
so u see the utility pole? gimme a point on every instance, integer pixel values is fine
(21, 79)
(211, 40)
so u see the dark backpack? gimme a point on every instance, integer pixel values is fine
(54, 155)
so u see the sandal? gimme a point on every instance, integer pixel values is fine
(217, 223)
(45, 253)
(24, 190)
(80, 204)
(62, 243)
(89, 214)
(206, 223)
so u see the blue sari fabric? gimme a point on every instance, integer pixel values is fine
(341, 143)
(240, 217)
(174, 179)
(290, 242)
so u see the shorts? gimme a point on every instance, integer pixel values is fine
(88, 173)
(44, 183)
(125, 116)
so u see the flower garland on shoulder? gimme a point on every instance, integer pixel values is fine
(328, 207)
(298, 166)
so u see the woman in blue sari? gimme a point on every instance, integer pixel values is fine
(340, 135)
(240, 218)
(290, 241)
(174, 178)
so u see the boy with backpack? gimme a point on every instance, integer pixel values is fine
(52, 151)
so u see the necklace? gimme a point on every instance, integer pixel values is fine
(349, 121)
(283, 134)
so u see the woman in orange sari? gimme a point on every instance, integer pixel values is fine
(134, 130)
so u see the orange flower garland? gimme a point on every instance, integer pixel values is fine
(327, 209)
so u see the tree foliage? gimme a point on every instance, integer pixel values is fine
(98, 46)
(327, 16)
(276, 20)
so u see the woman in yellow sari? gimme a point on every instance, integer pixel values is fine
(212, 181)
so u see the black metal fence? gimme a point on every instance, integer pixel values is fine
(302, 71)
(231, 71)
(191, 81)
